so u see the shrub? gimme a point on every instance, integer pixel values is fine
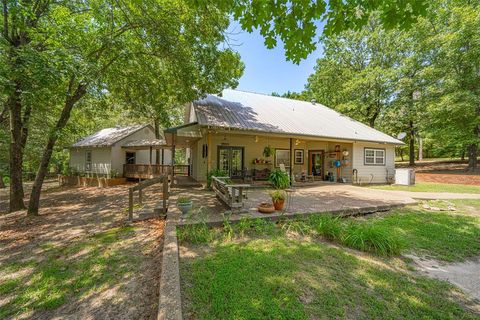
(279, 179)
(216, 173)
(372, 238)
(327, 226)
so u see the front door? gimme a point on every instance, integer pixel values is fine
(315, 164)
(230, 160)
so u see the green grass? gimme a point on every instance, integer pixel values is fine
(281, 278)
(431, 187)
(72, 270)
(444, 235)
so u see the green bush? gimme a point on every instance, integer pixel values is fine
(327, 226)
(279, 179)
(216, 173)
(371, 238)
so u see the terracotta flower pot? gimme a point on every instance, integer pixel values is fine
(279, 204)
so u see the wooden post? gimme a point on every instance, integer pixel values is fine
(165, 194)
(140, 196)
(130, 204)
(173, 160)
(292, 160)
(209, 152)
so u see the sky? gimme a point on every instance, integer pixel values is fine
(267, 70)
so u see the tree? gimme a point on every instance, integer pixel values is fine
(454, 92)
(357, 73)
(294, 21)
(73, 47)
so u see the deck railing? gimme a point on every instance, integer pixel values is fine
(146, 171)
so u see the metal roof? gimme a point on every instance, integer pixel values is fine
(108, 137)
(144, 143)
(260, 112)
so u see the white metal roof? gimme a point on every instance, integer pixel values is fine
(108, 137)
(260, 112)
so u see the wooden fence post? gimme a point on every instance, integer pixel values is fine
(130, 204)
(140, 196)
(165, 193)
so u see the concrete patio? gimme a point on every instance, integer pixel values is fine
(339, 199)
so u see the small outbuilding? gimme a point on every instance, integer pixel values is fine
(129, 151)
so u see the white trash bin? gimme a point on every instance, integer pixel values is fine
(405, 176)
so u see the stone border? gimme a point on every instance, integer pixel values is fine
(345, 212)
(170, 298)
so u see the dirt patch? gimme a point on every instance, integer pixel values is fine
(71, 215)
(465, 275)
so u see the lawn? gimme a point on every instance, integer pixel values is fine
(431, 187)
(303, 269)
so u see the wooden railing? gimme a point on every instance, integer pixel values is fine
(147, 171)
(145, 184)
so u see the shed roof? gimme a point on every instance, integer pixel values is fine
(108, 137)
(260, 112)
(143, 143)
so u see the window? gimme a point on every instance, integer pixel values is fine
(298, 156)
(88, 160)
(130, 157)
(282, 156)
(374, 157)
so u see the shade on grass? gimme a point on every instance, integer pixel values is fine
(432, 187)
(282, 278)
(67, 271)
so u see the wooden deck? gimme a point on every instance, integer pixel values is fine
(148, 171)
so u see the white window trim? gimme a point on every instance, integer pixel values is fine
(374, 157)
(88, 164)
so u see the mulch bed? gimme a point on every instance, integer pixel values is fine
(453, 178)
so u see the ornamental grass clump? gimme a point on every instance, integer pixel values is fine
(327, 226)
(371, 238)
(195, 233)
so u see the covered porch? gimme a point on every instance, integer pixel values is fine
(153, 170)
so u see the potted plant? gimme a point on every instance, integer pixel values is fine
(184, 204)
(268, 151)
(279, 179)
(278, 199)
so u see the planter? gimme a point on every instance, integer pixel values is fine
(185, 207)
(90, 182)
(265, 207)
(279, 204)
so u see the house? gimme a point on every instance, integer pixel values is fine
(249, 134)
(128, 151)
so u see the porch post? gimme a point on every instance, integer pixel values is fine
(292, 159)
(173, 159)
(150, 155)
(209, 152)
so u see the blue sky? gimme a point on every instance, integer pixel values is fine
(267, 70)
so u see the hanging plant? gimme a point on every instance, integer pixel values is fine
(268, 151)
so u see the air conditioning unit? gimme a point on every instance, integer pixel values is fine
(405, 176)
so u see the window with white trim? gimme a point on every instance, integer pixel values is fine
(88, 160)
(374, 156)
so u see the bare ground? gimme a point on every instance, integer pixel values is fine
(69, 215)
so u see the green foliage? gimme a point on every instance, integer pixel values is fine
(195, 233)
(184, 200)
(278, 195)
(279, 179)
(371, 238)
(215, 173)
(268, 151)
(327, 226)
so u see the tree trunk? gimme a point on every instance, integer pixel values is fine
(34, 202)
(16, 152)
(411, 151)
(2, 184)
(462, 155)
(401, 154)
(157, 136)
(472, 157)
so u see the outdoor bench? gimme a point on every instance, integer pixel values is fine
(231, 194)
